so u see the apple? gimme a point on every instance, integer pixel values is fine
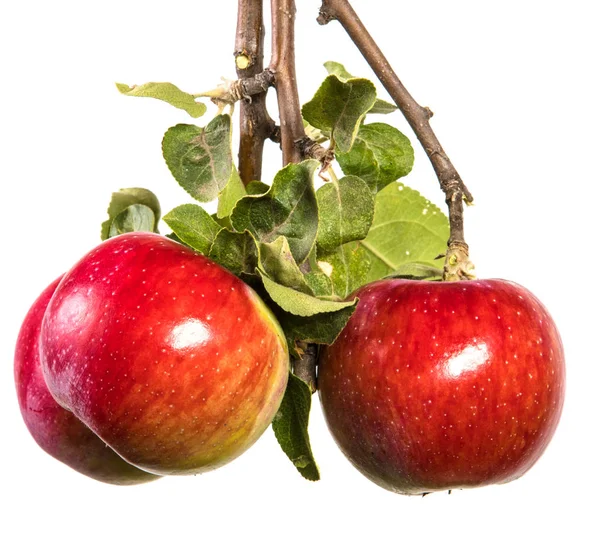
(170, 359)
(56, 430)
(443, 385)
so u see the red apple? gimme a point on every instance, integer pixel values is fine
(442, 385)
(169, 358)
(55, 429)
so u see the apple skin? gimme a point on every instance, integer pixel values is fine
(56, 430)
(169, 358)
(442, 385)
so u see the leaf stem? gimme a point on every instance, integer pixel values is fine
(283, 65)
(255, 123)
(418, 118)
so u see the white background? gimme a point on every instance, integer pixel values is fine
(515, 93)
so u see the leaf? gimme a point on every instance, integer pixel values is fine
(255, 187)
(236, 251)
(380, 107)
(125, 198)
(277, 261)
(318, 281)
(193, 226)
(298, 303)
(290, 425)
(346, 210)
(380, 155)
(166, 92)
(288, 208)
(348, 268)
(229, 196)
(417, 271)
(136, 218)
(338, 107)
(323, 328)
(407, 228)
(200, 159)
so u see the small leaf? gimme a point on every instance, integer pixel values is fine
(298, 303)
(193, 226)
(338, 107)
(255, 187)
(277, 261)
(323, 328)
(346, 210)
(381, 107)
(200, 159)
(380, 155)
(166, 92)
(319, 282)
(288, 208)
(407, 228)
(348, 268)
(229, 196)
(126, 197)
(290, 425)
(235, 251)
(136, 218)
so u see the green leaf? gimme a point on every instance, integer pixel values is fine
(193, 226)
(200, 159)
(348, 268)
(346, 208)
(136, 218)
(288, 208)
(125, 198)
(277, 261)
(233, 191)
(380, 155)
(235, 251)
(338, 107)
(318, 281)
(166, 92)
(298, 303)
(407, 228)
(255, 187)
(322, 328)
(380, 107)
(290, 425)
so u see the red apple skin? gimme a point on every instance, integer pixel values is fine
(56, 430)
(443, 385)
(170, 359)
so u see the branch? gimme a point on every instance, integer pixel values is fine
(255, 124)
(283, 65)
(457, 264)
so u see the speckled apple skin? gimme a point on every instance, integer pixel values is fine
(442, 385)
(173, 361)
(56, 430)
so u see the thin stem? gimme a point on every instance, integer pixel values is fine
(255, 124)
(418, 118)
(283, 65)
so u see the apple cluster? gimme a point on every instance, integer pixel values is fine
(148, 359)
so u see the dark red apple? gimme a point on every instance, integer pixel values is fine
(55, 429)
(170, 359)
(442, 385)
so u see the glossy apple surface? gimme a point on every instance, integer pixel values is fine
(55, 429)
(442, 385)
(174, 362)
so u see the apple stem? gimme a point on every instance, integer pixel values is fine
(283, 65)
(256, 125)
(457, 264)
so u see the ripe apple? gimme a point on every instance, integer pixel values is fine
(55, 429)
(169, 358)
(442, 385)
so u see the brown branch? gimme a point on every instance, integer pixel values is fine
(255, 124)
(418, 118)
(283, 65)
(305, 366)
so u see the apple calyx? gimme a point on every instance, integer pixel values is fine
(458, 266)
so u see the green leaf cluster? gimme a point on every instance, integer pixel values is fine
(304, 248)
